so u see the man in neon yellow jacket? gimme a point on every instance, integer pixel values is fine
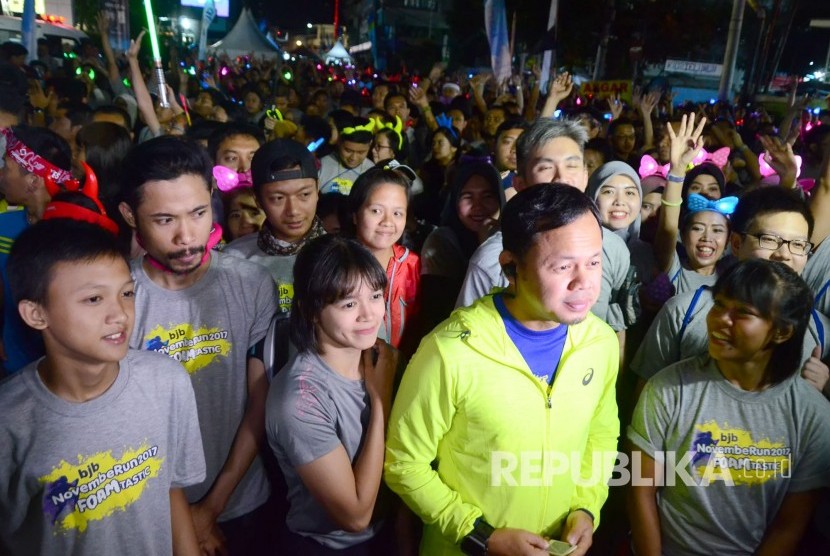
(514, 396)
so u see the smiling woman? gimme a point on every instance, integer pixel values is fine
(616, 189)
(377, 211)
(327, 410)
(469, 216)
(756, 432)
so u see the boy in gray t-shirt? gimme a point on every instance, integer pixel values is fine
(98, 441)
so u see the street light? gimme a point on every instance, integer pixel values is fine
(309, 25)
(299, 43)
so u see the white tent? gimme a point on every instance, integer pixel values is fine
(337, 53)
(245, 38)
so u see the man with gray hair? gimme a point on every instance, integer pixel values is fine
(552, 151)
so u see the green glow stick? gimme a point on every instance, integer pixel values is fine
(154, 46)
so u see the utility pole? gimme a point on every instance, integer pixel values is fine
(779, 51)
(732, 43)
(750, 86)
(602, 49)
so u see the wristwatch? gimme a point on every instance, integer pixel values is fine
(475, 543)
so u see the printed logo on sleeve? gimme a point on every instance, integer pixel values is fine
(194, 348)
(732, 452)
(97, 486)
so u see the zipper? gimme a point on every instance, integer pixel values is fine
(546, 393)
(388, 317)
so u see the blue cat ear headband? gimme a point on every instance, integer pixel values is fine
(446, 122)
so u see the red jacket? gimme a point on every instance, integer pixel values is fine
(402, 293)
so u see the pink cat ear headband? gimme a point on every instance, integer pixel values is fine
(650, 167)
(227, 180)
(719, 158)
(766, 171)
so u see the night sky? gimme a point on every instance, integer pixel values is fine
(804, 44)
(300, 12)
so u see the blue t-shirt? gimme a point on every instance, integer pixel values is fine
(541, 349)
(23, 344)
(507, 181)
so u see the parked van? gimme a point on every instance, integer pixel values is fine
(61, 38)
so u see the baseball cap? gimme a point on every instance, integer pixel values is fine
(278, 160)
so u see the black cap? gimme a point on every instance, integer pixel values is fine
(277, 161)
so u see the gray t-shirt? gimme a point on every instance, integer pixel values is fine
(209, 327)
(336, 178)
(817, 275)
(281, 267)
(311, 410)
(95, 477)
(484, 273)
(686, 280)
(642, 258)
(664, 345)
(768, 444)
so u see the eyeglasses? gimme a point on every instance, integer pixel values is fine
(773, 242)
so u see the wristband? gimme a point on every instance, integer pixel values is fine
(668, 204)
(426, 109)
(587, 512)
(675, 179)
(475, 543)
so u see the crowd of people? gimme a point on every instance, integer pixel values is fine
(324, 310)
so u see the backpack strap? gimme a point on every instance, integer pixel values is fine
(819, 327)
(676, 275)
(687, 317)
(821, 293)
(276, 345)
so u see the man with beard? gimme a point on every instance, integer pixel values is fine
(205, 310)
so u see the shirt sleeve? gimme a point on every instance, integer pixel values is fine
(265, 307)
(189, 456)
(812, 468)
(477, 284)
(661, 345)
(616, 260)
(653, 415)
(422, 415)
(306, 429)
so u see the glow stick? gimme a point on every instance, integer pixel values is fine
(154, 45)
(186, 111)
